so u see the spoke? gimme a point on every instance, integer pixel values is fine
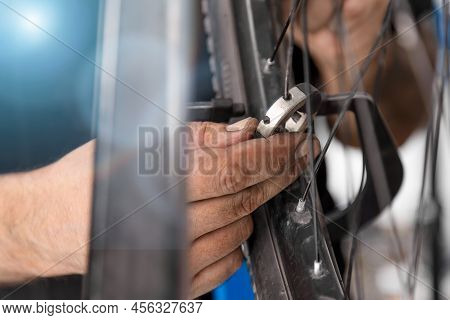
(353, 246)
(355, 219)
(359, 271)
(290, 51)
(430, 161)
(306, 73)
(433, 133)
(348, 274)
(379, 76)
(292, 15)
(366, 64)
(347, 135)
(358, 85)
(418, 228)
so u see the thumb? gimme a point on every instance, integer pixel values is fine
(220, 135)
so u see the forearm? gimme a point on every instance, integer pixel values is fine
(17, 258)
(44, 218)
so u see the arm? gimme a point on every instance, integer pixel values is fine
(45, 216)
(45, 213)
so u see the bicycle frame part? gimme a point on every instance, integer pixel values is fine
(138, 223)
(376, 141)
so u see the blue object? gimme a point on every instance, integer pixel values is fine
(439, 19)
(444, 44)
(238, 287)
(47, 55)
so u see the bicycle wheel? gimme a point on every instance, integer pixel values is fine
(283, 251)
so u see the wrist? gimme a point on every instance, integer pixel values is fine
(63, 213)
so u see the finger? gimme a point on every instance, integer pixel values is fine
(324, 47)
(320, 14)
(227, 171)
(211, 214)
(219, 135)
(217, 244)
(215, 274)
(359, 11)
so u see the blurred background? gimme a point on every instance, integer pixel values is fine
(46, 79)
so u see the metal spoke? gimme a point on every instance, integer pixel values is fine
(430, 167)
(292, 15)
(312, 175)
(366, 64)
(290, 51)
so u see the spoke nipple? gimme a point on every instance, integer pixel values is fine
(287, 97)
(300, 206)
(317, 268)
(268, 65)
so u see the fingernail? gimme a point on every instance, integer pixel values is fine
(238, 126)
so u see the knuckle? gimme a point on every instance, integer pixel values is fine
(253, 123)
(230, 179)
(247, 204)
(201, 132)
(238, 206)
(353, 9)
(252, 199)
(205, 133)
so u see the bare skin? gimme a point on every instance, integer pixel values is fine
(250, 172)
(45, 213)
(45, 217)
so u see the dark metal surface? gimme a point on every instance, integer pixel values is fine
(225, 61)
(138, 218)
(384, 167)
(217, 110)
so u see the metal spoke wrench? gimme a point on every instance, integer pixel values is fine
(290, 114)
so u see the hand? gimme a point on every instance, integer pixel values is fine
(338, 62)
(231, 177)
(362, 21)
(45, 220)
